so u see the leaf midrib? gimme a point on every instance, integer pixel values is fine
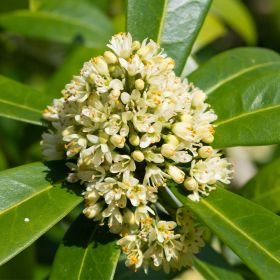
(47, 188)
(20, 106)
(246, 114)
(85, 253)
(206, 268)
(244, 234)
(237, 74)
(162, 20)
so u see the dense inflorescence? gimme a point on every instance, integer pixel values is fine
(127, 126)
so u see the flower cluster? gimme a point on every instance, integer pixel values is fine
(126, 126)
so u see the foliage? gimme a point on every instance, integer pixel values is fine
(242, 86)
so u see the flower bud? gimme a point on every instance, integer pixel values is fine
(100, 65)
(117, 140)
(109, 57)
(168, 150)
(91, 197)
(139, 84)
(190, 184)
(198, 98)
(176, 174)
(205, 151)
(93, 211)
(125, 97)
(115, 94)
(128, 217)
(136, 45)
(134, 140)
(209, 139)
(138, 156)
(171, 139)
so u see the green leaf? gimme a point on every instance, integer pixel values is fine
(61, 21)
(87, 251)
(31, 203)
(250, 230)
(172, 23)
(243, 88)
(70, 67)
(213, 266)
(238, 17)
(212, 29)
(264, 188)
(20, 102)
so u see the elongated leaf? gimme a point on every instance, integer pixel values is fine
(211, 30)
(264, 188)
(87, 252)
(213, 266)
(243, 89)
(243, 24)
(61, 21)
(248, 229)
(70, 67)
(172, 23)
(30, 203)
(20, 102)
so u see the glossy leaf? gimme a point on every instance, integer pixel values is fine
(172, 23)
(20, 102)
(243, 87)
(31, 202)
(264, 188)
(71, 66)
(87, 251)
(248, 229)
(238, 17)
(213, 266)
(61, 21)
(211, 30)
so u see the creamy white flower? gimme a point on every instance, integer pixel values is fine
(125, 126)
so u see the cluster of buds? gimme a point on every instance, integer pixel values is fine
(127, 126)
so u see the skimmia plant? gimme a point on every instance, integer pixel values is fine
(138, 145)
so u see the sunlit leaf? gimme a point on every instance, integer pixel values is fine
(87, 251)
(32, 200)
(264, 188)
(174, 24)
(20, 102)
(243, 87)
(61, 21)
(248, 229)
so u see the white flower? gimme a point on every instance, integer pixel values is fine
(125, 126)
(121, 44)
(154, 176)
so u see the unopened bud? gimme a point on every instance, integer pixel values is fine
(101, 65)
(125, 97)
(128, 217)
(134, 140)
(176, 174)
(168, 150)
(115, 94)
(109, 57)
(117, 140)
(190, 184)
(198, 98)
(136, 45)
(139, 84)
(171, 139)
(91, 197)
(138, 156)
(209, 139)
(205, 151)
(93, 211)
